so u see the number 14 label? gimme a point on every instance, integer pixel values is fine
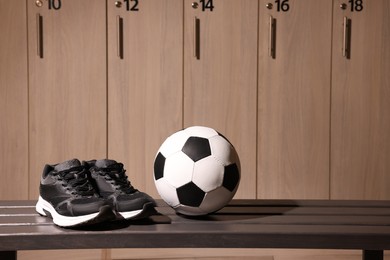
(207, 5)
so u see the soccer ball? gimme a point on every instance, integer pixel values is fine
(196, 171)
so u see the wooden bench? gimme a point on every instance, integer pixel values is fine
(314, 224)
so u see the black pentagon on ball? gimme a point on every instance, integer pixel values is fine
(190, 195)
(197, 148)
(159, 164)
(231, 177)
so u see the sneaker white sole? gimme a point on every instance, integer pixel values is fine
(130, 214)
(66, 221)
(148, 209)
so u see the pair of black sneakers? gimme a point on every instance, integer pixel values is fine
(75, 193)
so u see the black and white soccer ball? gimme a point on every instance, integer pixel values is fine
(197, 171)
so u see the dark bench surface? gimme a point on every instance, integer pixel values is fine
(242, 224)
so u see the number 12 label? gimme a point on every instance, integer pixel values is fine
(131, 5)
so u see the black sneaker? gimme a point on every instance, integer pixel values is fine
(68, 197)
(110, 180)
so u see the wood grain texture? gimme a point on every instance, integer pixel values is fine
(13, 101)
(145, 87)
(360, 136)
(237, 253)
(84, 254)
(220, 87)
(67, 87)
(294, 101)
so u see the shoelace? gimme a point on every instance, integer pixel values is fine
(117, 175)
(76, 180)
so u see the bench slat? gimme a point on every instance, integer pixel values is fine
(242, 224)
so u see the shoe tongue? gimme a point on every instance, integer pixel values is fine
(104, 163)
(67, 165)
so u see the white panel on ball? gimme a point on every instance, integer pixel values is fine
(167, 192)
(216, 199)
(190, 211)
(223, 150)
(178, 169)
(208, 174)
(200, 131)
(173, 143)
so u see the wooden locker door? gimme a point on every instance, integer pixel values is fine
(67, 83)
(145, 79)
(360, 148)
(220, 79)
(13, 101)
(294, 99)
